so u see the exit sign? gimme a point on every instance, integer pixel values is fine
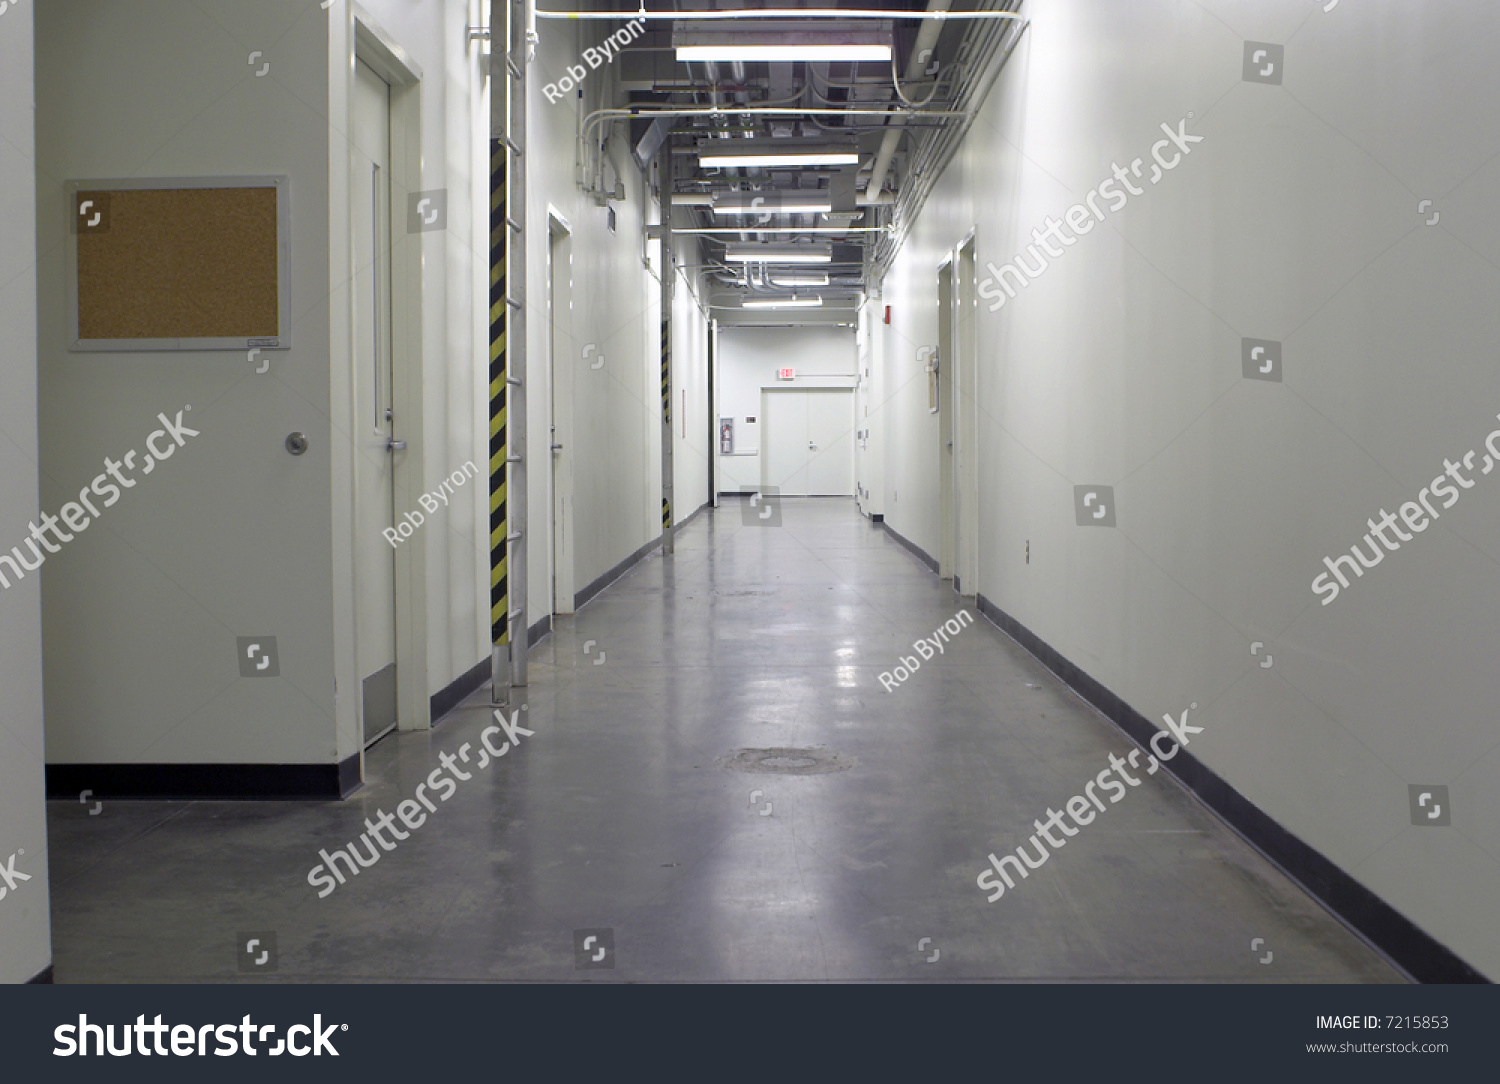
(786, 374)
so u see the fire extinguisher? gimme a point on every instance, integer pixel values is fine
(726, 437)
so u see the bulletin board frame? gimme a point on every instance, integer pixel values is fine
(279, 341)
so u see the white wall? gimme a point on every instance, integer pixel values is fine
(616, 302)
(232, 536)
(452, 549)
(1295, 220)
(274, 554)
(239, 538)
(25, 930)
(823, 357)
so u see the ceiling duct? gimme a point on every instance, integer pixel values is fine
(651, 140)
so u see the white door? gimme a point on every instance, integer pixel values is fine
(965, 425)
(564, 360)
(830, 443)
(807, 442)
(783, 442)
(374, 503)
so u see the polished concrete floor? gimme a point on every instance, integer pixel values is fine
(618, 819)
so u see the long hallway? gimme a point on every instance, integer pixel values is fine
(851, 854)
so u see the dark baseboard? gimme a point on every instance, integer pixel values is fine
(593, 589)
(1420, 955)
(460, 688)
(206, 782)
(456, 691)
(580, 598)
(42, 977)
(922, 555)
(692, 516)
(476, 677)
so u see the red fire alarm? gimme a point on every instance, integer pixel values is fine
(888, 314)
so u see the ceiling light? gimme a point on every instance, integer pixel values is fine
(772, 203)
(812, 51)
(743, 153)
(752, 253)
(783, 303)
(781, 37)
(800, 278)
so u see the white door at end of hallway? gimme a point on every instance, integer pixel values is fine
(371, 376)
(807, 441)
(830, 443)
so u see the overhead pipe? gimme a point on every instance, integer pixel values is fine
(933, 155)
(926, 40)
(604, 115)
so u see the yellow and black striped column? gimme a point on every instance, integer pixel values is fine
(668, 291)
(499, 585)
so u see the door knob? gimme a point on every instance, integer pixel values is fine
(395, 445)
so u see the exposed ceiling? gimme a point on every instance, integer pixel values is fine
(869, 136)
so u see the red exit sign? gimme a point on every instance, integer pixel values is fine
(786, 374)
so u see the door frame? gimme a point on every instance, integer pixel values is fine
(765, 429)
(560, 406)
(374, 46)
(964, 381)
(958, 476)
(946, 503)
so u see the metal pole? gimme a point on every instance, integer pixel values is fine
(499, 311)
(668, 284)
(516, 369)
(507, 361)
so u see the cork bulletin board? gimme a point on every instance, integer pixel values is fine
(198, 263)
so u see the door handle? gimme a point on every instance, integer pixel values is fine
(395, 445)
(557, 447)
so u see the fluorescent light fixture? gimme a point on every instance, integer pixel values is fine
(811, 51)
(772, 203)
(743, 153)
(751, 253)
(783, 303)
(800, 278)
(780, 36)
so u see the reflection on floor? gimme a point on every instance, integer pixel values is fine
(615, 844)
